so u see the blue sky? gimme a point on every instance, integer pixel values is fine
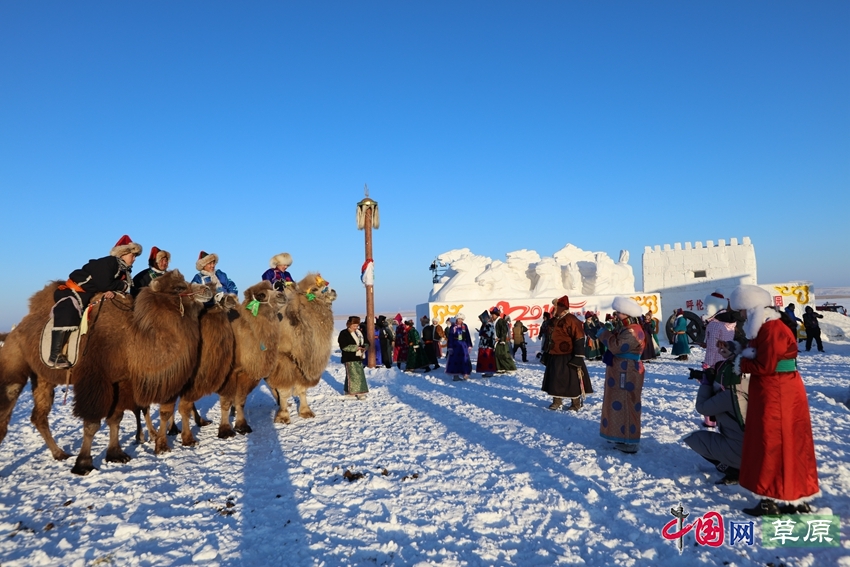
(249, 129)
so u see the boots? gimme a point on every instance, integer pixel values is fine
(556, 403)
(766, 507)
(576, 405)
(57, 343)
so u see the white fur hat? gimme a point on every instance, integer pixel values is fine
(714, 303)
(749, 297)
(280, 259)
(627, 306)
(460, 316)
(204, 259)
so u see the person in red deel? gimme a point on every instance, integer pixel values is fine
(778, 461)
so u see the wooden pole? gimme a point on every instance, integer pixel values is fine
(370, 295)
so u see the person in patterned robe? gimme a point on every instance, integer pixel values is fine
(621, 403)
(566, 374)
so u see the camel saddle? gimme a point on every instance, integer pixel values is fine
(72, 346)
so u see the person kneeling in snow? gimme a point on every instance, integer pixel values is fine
(722, 394)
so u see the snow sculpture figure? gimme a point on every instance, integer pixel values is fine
(460, 278)
(508, 279)
(525, 275)
(571, 278)
(548, 275)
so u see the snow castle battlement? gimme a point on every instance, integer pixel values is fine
(696, 264)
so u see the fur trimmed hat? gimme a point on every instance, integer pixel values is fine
(280, 259)
(204, 259)
(125, 245)
(627, 306)
(156, 256)
(353, 320)
(714, 303)
(424, 320)
(758, 304)
(748, 297)
(563, 301)
(460, 317)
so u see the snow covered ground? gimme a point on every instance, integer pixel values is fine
(453, 473)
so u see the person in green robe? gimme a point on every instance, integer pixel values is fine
(353, 346)
(591, 326)
(416, 357)
(681, 345)
(504, 358)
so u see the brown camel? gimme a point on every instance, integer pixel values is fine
(256, 353)
(20, 358)
(304, 348)
(154, 348)
(214, 364)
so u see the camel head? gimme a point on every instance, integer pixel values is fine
(265, 293)
(202, 293)
(314, 286)
(327, 296)
(228, 301)
(173, 283)
(172, 288)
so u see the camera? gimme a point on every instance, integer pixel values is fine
(696, 374)
(699, 374)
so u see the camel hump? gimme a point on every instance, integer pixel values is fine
(263, 288)
(42, 300)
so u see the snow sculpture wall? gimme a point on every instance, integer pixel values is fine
(688, 274)
(671, 268)
(525, 275)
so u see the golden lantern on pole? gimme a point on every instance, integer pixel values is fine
(367, 219)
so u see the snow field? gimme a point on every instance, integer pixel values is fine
(453, 473)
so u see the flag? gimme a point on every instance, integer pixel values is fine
(367, 272)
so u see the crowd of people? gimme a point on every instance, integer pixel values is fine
(757, 429)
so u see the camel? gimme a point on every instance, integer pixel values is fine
(214, 364)
(255, 356)
(20, 358)
(304, 348)
(154, 348)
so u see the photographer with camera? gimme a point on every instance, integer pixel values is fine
(722, 394)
